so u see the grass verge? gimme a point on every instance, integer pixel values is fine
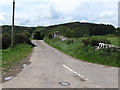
(86, 53)
(14, 55)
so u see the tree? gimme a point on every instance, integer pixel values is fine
(38, 35)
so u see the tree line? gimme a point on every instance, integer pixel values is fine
(70, 30)
(21, 35)
(77, 29)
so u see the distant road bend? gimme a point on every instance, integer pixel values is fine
(49, 67)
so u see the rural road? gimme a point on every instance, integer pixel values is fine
(49, 67)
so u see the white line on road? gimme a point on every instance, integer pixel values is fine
(77, 74)
(73, 71)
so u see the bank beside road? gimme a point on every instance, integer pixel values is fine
(76, 48)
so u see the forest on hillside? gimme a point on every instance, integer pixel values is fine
(73, 29)
(77, 29)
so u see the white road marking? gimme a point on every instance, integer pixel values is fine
(98, 87)
(77, 74)
(73, 71)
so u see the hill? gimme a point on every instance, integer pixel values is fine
(71, 30)
(77, 29)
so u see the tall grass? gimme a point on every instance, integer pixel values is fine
(14, 55)
(86, 53)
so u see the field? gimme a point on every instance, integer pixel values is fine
(113, 39)
(14, 55)
(87, 53)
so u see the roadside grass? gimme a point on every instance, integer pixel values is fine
(14, 55)
(86, 53)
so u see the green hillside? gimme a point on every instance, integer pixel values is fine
(77, 29)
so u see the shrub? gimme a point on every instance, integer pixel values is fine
(94, 41)
(49, 35)
(21, 38)
(18, 39)
(28, 35)
(6, 41)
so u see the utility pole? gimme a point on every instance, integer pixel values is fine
(12, 36)
(119, 14)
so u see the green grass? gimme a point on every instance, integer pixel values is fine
(86, 53)
(32, 39)
(14, 55)
(113, 39)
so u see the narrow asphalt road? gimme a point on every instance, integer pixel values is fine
(49, 67)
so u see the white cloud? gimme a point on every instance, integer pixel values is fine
(84, 20)
(5, 2)
(107, 17)
(47, 12)
(66, 6)
(106, 14)
(4, 18)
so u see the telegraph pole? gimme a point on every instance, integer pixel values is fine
(12, 36)
(119, 14)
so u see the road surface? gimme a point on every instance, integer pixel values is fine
(49, 67)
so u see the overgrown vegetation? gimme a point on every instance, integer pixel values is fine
(22, 46)
(19, 38)
(88, 53)
(12, 56)
(38, 35)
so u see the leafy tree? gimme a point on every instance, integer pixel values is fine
(18, 39)
(50, 35)
(38, 35)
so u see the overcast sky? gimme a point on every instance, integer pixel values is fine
(50, 12)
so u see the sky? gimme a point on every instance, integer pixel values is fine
(51, 12)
